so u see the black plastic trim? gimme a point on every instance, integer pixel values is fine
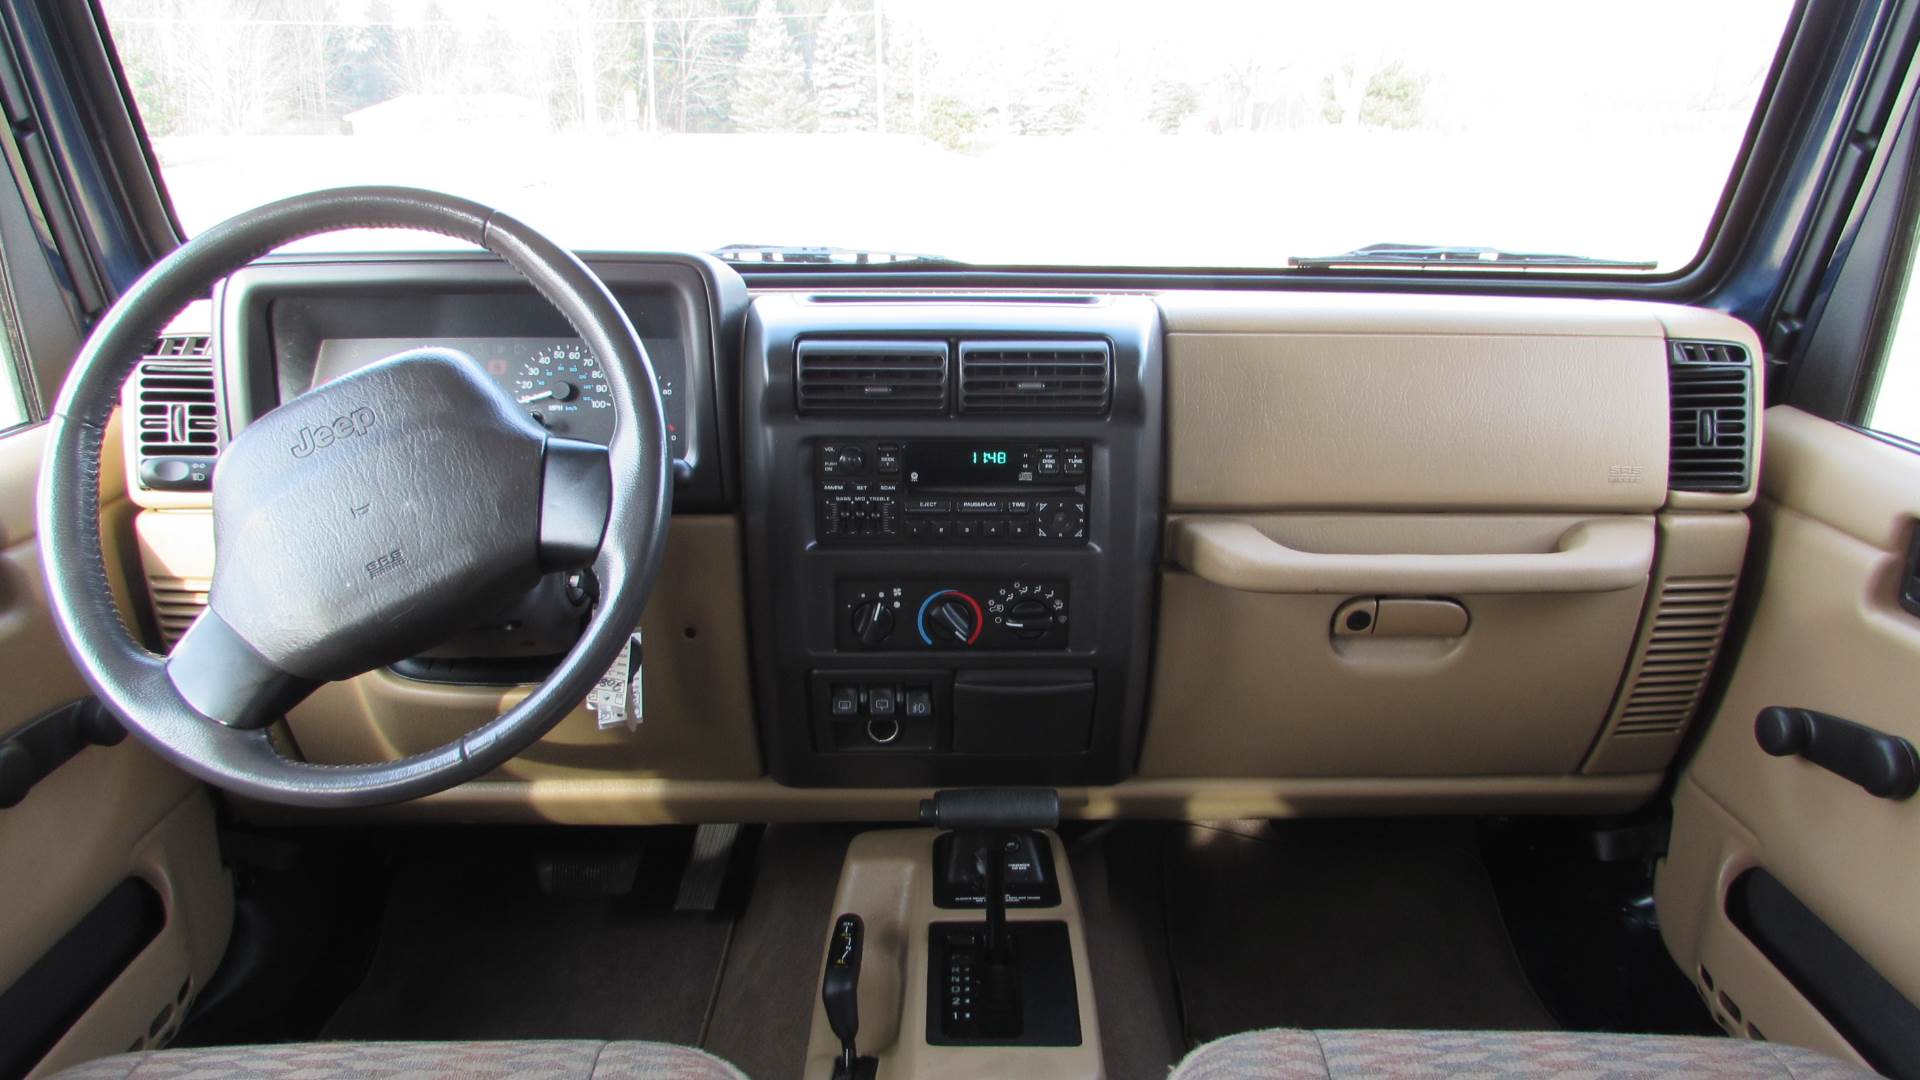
(1883, 765)
(792, 575)
(31, 753)
(60, 986)
(1909, 594)
(1866, 1009)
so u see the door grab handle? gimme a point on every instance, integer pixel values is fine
(1885, 765)
(1600, 555)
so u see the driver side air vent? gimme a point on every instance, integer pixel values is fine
(178, 415)
(1711, 404)
(1035, 376)
(857, 376)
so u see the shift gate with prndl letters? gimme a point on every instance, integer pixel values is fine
(952, 491)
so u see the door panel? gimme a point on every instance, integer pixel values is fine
(108, 814)
(1837, 512)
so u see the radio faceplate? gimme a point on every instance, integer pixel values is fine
(952, 491)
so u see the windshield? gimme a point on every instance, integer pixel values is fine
(1176, 133)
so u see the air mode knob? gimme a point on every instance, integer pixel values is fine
(872, 622)
(1029, 618)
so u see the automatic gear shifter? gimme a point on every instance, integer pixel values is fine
(995, 983)
(840, 994)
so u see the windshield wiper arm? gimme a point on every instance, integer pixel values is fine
(1461, 257)
(817, 255)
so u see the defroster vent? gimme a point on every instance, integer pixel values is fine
(859, 376)
(1035, 377)
(1711, 404)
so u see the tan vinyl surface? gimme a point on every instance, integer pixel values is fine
(887, 880)
(108, 813)
(1257, 684)
(1688, 607)
(1308, 401)
(1837, 511)
(698, 706)
(616, 800)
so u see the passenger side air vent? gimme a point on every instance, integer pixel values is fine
(1711, 406)
(870, 376)
(178, 413)
(1664, 687)
(1035, 376)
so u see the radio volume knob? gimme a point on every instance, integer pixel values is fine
(872, 622)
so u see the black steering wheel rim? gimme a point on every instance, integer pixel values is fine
(134, 682)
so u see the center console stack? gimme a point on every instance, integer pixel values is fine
(952, 518)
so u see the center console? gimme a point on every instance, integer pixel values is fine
(952, 508)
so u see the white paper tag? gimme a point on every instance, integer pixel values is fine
(616, 700)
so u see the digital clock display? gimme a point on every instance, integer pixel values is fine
(962, 464)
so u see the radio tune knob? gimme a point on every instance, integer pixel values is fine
(872, 622)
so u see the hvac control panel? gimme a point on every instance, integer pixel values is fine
(952, 491)
(916, 616)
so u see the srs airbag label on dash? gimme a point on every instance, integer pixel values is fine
(616, 700)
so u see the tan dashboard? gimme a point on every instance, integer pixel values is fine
(1418, 554)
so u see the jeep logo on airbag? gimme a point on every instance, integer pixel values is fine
(345, 426)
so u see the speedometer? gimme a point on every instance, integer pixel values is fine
(563, 388)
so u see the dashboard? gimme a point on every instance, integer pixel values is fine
(1182, 553)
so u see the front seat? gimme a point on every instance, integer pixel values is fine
(1282, 1054)
(546, 1059)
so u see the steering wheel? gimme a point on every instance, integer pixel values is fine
(361, 521)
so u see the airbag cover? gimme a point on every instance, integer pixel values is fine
(376, 515)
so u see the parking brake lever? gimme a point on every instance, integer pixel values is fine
(840, 994)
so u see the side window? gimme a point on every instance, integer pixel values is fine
(13, 397)
(1895, 408)
(13, 401)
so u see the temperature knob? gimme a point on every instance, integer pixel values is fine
(872, 622)
(950, 617)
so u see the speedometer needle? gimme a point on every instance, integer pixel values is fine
(541, 396)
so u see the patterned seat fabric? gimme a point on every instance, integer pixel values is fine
(521, 1060)
(1491, 1055)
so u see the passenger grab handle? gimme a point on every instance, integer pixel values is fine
(1598, 555)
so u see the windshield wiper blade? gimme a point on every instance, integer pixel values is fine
(1459, 257)
(813, 255)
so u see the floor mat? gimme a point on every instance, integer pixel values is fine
(479, 953)
(1339, 925)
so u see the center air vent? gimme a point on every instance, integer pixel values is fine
(1711, 403)
(870, 376)
(173, 396)
(1035, 376)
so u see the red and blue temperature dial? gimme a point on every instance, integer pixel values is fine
(951, 617)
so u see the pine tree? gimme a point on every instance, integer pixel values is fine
(843, 72)
(771, 93)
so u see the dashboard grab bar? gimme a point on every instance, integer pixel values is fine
(1598, 555)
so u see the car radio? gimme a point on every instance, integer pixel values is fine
(951, 491)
